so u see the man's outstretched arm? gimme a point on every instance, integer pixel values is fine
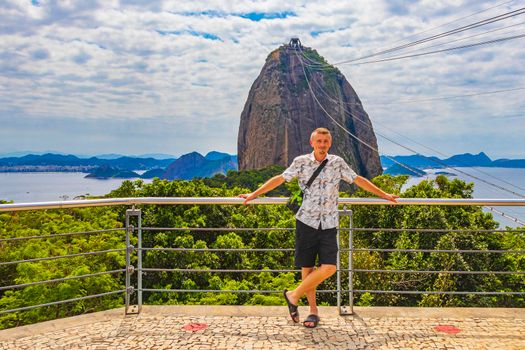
(370, 187)
(266, 187)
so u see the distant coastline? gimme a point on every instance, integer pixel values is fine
(113, 166)
(195, 165)
(414, 165)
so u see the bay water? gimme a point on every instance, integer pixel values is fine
(488, 184)
(49, 186)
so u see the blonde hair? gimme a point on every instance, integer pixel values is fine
(322, 131)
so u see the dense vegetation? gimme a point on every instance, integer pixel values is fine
(413, 220)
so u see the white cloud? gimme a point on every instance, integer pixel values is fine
(192, 64)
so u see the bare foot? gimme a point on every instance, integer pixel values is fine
(312, 320)
(293, 299)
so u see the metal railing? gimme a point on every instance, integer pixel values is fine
(55, 280)
(136, 232)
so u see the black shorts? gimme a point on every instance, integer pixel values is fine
(311, 243)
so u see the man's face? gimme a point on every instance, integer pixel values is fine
(321, 143)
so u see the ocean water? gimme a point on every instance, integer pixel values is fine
(488, 183)
(43, 187)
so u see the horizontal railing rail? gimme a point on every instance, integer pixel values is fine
(16, 240)
(70, 278)
(62, 256)
(57, 235)
(351, 250)
(62, 301)
(265, 200)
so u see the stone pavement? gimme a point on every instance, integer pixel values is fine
(269, 327)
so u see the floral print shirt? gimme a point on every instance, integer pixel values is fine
(319, 209)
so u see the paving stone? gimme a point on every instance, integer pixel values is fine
(278, 332)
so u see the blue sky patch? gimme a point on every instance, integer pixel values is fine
(316, 33)
(205, 13)
(258, 16)
(40, 54)
(252, 16)
(82, 57)
(204, 35)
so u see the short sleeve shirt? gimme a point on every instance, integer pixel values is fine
(319, 207)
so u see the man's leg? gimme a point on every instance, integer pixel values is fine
(312, 280)
(310, 294)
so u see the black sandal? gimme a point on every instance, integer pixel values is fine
(313, 318)
(293, 309)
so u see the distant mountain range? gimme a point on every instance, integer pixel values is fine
(186, 167)
(194, 164)
(71, 162)
(419, 162)
(99, 156)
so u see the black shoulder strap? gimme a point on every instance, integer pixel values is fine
(316, 172)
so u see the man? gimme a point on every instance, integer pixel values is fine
(317, 219)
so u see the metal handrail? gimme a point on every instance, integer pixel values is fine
(264, 200)
(443, 271)
(424, 230)
(61, 301)
(226, 291)
(219, 249)
(148, 269)
(434, 250)
(129, 229)
(62, 279)
(62, 256)
(56, 235)
(218, 229)
(372, 291)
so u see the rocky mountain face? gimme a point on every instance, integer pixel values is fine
(281, 112)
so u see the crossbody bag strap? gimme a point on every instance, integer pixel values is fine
(316, 172)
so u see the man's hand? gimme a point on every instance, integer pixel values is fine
(267, 186)
(248, 197)
(390, 197)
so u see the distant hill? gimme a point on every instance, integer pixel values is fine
(70, 161)
(413, 161)
(193, 165)
(214, 155)
(397, 169)
(187, 166)
(107, 172)
(157, 156)
(108, 156)
(150, 174)
(467, 159)
(419, 162)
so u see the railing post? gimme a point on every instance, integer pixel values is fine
(344, 310)
(139, 244)
(339, 267)
(129, 230)
(351, 261)
(130, 269)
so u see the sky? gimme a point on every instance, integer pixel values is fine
(136, 77)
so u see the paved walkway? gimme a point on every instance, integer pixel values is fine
(261, 327)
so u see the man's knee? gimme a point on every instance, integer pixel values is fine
(305, 271)
(329, 269)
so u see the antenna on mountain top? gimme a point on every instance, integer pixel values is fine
(295, 44)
